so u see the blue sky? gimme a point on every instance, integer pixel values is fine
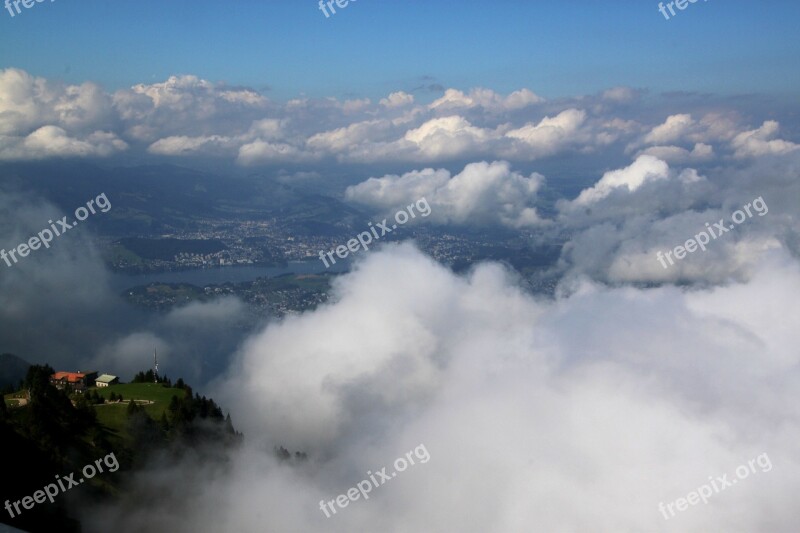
(373, 47)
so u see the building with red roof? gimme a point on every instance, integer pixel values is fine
(73, 381)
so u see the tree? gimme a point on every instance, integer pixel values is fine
(164, 422)
(38, 378)
(144, 377)
(145, 433)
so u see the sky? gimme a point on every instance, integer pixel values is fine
(372, 47)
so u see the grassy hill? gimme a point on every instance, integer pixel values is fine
(57, 432)
(113, 415)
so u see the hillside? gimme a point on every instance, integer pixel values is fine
(54, 431)
(12, 370)
(113, 415)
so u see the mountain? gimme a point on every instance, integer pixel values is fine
(12, 370)
(155, 199)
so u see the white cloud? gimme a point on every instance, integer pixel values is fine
(28, 103)
(261, 152)
(676, 154)
(53, 141)
(485, 98)
(398, 99)
(257, 140)
(761, 141)
(185, 91)
(551, 134)
(41, 119)
(355, 134)
(187, 116)
(673, 129)
(646, 168)
(482, 193)
(183, 145)
(526, 407)
(447, 137)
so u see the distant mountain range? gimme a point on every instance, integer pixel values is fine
(12, 370)
(155, 199)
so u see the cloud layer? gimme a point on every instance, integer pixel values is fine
(583, 413)
(186, 116)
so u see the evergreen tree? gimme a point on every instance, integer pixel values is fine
(38, 378)
(164, 423)
(146, 435)
(282, 453)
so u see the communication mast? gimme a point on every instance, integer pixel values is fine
(155, 366)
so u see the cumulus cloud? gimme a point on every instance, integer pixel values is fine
(676, 154)
(761, 141)
(485, 98)
(673, 129)
(617, 226)
(261, 143)
(675, 137)
(342, 139)
(398, 99)
(184, 105)
(601, 396)
(53, 141)
(447, 137)
(28, 102)
(646, 168)
(182, 145)
(187, 116)
(482, 193)
(260, 151)
(551, 133)
(186, 91)
(42, 119)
